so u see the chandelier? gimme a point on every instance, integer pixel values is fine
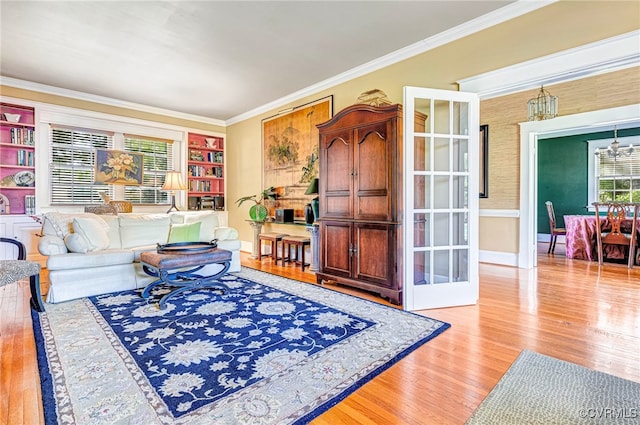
(543, 107)
(614, 151)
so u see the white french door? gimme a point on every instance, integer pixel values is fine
(441, 174)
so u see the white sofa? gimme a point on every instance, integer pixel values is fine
(91, 254)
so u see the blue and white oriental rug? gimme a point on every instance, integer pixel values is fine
(269, 351)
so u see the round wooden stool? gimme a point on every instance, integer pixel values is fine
(295, 242)
(273, 239)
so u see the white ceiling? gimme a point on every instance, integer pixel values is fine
(215, 59)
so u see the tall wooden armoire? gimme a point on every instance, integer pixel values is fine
(361, 199)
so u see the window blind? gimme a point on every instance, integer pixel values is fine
(157, 160)
(72, 159)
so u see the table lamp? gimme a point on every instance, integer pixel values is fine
(315, 202)
(173, 183)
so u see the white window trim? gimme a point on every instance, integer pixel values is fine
(602, 144)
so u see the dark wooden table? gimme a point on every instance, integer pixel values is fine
(179, 270)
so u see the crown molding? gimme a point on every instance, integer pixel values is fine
(73, 94)
(611, 54)
(496, 17)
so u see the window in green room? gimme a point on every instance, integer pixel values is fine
(614, 178)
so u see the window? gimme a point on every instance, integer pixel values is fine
(614, 179)
(158, 157)
(72, 157)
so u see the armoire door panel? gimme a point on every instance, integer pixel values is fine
(336, 187)
(336, 247)
(337, 206)
(372, 157)
(373, 259)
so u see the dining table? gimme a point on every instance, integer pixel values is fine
(581, 238)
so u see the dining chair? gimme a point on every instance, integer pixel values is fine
(555, 231)
(609, 228)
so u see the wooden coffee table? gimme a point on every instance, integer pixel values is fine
(177, 268)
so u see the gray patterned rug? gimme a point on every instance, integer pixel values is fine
(538, 389)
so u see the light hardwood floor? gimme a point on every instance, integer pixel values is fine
(571, 310)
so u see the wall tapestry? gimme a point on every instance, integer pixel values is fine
(290, 153)
(118, 167)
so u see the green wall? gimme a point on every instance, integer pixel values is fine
(562, 174)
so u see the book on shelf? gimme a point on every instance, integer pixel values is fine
(22, 136)
(29, 204)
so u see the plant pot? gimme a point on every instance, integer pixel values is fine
(258, 212)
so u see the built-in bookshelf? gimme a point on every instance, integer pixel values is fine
(17, 159)
(205, 171)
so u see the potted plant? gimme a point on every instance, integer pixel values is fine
(258, 212)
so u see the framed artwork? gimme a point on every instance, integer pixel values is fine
(118, 167)
(290, 153)
(484, 161)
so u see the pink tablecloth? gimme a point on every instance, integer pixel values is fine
(581, 240)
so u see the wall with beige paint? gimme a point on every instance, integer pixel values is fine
(559, 26)
(107, 109)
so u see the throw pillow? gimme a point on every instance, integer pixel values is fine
(94, 230)
(209, 224)
(76, 243)
(184, 232)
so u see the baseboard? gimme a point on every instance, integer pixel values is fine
(497, 257)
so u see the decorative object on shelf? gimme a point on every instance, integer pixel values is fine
(118, 167)
(314, 206)
(210, 142)
(12, 117)
(614, 150)
(5, 206)
(374, 97)
(258, 212)
(290, 150)
(172, 183)
(484, 161)
(30, 205)
(543, 107)
(196, 156)
(25, 178)
(8, 181)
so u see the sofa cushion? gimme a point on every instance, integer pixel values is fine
(94, 230)
(184, 232)
(114, 231)
(143, 229)
(73, 260)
